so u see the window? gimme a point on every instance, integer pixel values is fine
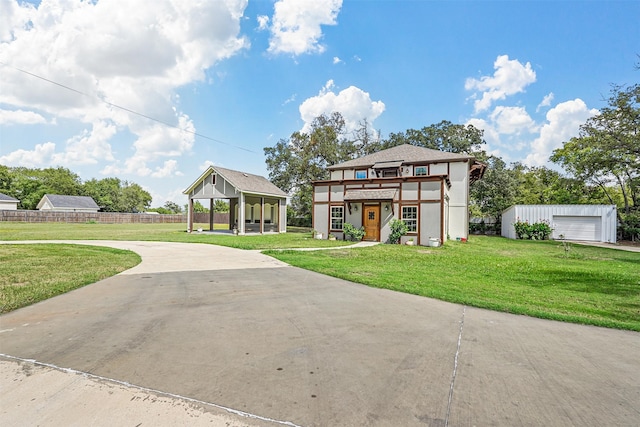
(337, 213)
(389, 172)
(420, 170)
(361, 174)
(410, 217)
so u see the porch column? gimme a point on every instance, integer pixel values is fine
(261, 215)
(190, 216)
(211, 214)
(241, 214)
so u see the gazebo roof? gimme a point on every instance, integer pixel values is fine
(242, 181)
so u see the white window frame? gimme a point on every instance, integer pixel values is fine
(412, 219)
(416, 169)
(336, 218)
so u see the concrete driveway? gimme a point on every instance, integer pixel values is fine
(207, 335)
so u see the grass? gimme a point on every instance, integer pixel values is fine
(32, 273)
(591, 285)
(300, 238)
(588, 285)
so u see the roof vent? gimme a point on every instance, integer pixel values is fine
(245, 174)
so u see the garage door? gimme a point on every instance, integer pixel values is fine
(578, 227)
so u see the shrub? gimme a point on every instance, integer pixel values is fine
(352, 233)
(398, 229)
(536, 231)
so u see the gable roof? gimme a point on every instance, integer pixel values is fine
(402, 154)
(5, 198)
(76, 202)
(242, 181)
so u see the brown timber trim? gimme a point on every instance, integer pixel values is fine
(442, 212)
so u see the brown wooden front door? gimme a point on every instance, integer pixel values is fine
(372, 223)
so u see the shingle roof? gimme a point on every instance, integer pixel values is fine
(5, 198)
(406, 154)
(249, 183)
(371, 194)
(245, 182)
(78, 202)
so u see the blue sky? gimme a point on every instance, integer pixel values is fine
(245, 74)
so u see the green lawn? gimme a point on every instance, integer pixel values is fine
(158, 232)
(32, 273)
(591, 285)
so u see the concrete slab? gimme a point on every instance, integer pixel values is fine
(300, 348)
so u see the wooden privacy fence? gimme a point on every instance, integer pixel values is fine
(84, 217)
(107, 217)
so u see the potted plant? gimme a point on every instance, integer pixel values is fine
(332, 236)
(409, 242)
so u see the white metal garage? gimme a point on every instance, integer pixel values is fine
(596, 223)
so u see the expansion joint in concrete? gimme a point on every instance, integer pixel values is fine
(455, 368)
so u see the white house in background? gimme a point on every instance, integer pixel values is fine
(255, 204)
(427, 189)
(58, 203)
(595, 223)
(8, 203)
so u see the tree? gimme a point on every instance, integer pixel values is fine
(495, 192)
(220, 206)
(443, 136)
(172, 207)
(134, 198)
(607, 154)
(106, 192)
(294, 163)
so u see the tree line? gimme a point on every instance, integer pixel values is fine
(601, 165)
(111, 194)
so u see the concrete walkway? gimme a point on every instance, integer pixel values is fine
(206, 335)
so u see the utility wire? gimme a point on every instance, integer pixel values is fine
(127, 109)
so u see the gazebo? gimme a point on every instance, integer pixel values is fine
(255, 204)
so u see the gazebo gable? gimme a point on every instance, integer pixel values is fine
(212, 185)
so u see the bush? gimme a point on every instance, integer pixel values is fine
(352, 233)
(398, 229)
(536, 231)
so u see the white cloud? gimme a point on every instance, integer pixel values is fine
(296, 25)
(353, 103)
(263, 22)
(205, 165)
(20, 117)
(90, 147)
(512, 120)
(510, 77)
(546, 101)
(337, 60)
(132, 54)
(42, 154)
(169, 168)
(563, 122)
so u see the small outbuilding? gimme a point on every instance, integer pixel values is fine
(594, 223)
(255, 204)
(8, 203)
(58, 203)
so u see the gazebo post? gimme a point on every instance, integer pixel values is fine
(190, 216)
(211, 214)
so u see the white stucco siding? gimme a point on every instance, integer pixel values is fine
(459, 178)
(349, 174)
(321, 219)
(438, 169)
(430, 190)
(337, 193)
(430, 220)
(321, 193)
(410, 191)
(336, 175)
(355, 217)
(458, 222)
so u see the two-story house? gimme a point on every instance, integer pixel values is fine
(427, 189)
